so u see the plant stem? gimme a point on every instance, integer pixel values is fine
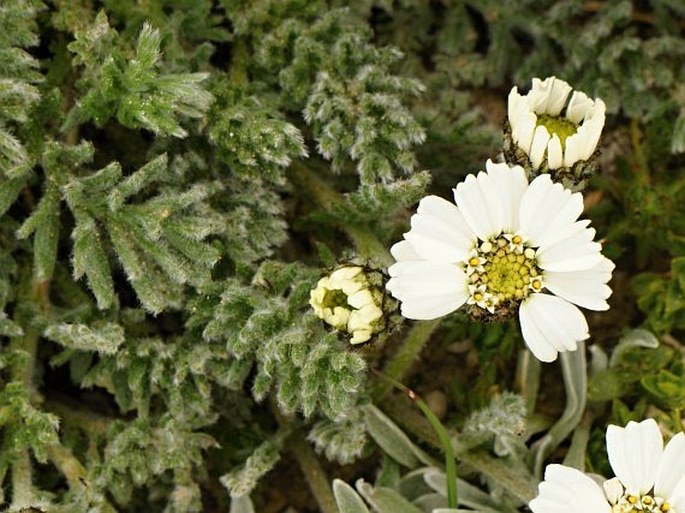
(445, 441)
(521, 486)
(528, 378)
(366, 243)
(400, 362)
(313, 473)
(22, 479)
(67, 464)
(640, 166)
(96, 425)
(23, 493)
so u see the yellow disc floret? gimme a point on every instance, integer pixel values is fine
(502, 272)
(558, 125)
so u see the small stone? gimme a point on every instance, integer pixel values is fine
(437, 402)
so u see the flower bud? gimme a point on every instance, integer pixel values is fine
(542, 140)
(349, 300)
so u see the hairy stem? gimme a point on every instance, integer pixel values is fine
(521, 486)
(400, 362)
(71, 468)
(96, 425)
(318, 482)
(22, 472)
(366, 243)
(528, 378)
(23, 493)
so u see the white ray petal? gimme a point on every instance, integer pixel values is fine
(440, 207)
(428, 308)
(593, 126)
(634, 453)
(558, 96)
(539, 95)
(671, 467)
(584, 288)
(527, 121)
(402, 251)
(568, 490)
(555, 155)
(479, 203)
(439, 232)
(578, 107)
(427, 289)
(512, 181)
(676, 499)
(576, 253)
(495, 197)
(572, 149)
(546, 208)
(537, 149)
(562, 232)
(513, 101)
(558, 322)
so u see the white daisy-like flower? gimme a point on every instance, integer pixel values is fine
(541, 131)
(649, 478)
(345, 300)
(506, 247)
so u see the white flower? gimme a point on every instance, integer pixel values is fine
(529, 240)
(345, 300)
(539, 129)
(649, 477)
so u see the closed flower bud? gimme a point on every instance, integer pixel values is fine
(350, 301)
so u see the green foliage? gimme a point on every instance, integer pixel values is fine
(503, 420)
(307, 368)
(18, 78)
(243, 480)
(342, 441)
(105, 339)
(662, 298)
(24, 426)
(176, 175)
(133, 89)
(252, 139)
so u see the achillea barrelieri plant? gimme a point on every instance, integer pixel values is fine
(184, 184)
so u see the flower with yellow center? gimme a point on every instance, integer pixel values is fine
(508, 247)
(346, 300)
(549, 139)
(650, 478)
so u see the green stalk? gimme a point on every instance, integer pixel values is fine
(405, 356)
(22, 471)
(445, 441)
(318, 481)
(366, 243)
(524, 487)
(677, 420)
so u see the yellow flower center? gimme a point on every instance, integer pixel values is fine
(557, 125)
(333, 298)
(502, 272)
(647, 503)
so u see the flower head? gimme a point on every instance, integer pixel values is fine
(649, 478)
(347, 301)
(542, 139)
(507, 247)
